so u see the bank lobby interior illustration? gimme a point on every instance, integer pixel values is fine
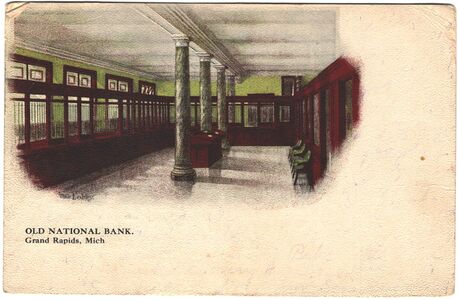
(177, 99)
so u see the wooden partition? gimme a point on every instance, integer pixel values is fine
(330, 104)
(257, 119)
(264, 120)
(65, 131)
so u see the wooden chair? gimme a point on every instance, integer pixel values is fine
(301, 165)
(298, 144)
(295, 147)
(298, 157)
(296, 152)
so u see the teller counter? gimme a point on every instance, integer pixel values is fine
(206, 149)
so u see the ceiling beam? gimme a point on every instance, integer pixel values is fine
(151, 15)
(199, 34)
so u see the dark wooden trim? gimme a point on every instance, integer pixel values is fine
(48, 118)
(119, 123)
(91, 115)
(155, 114)
(260, 95)
(340, 69)
(27, 119)
(168, 114)
(139, 113)
(37, 62)
(258, 114)
(35, 87)
(79, 117)
(128, 115)
(342, 110)
(66, 117)
(322, 129)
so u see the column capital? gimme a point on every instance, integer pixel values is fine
(220, 68)
(204, 56)
(181, 40)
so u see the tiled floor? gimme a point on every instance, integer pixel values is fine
(242, 173)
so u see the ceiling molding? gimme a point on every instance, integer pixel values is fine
(148, 13)
(199, 34)
(84, 59)
(274, 40)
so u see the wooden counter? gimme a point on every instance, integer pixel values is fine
(206, 149)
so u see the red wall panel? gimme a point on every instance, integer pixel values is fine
(333, 77)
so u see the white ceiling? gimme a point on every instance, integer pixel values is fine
(260, 39)
(280, 39)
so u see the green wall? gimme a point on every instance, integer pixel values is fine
(307, 78)
(58, 65)
(167, 88)
(251, 84)
(260, 85)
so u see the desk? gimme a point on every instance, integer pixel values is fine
(206, 149)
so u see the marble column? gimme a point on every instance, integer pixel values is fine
(183, 171)
(205, 91)
(221, 104)
(231, 85)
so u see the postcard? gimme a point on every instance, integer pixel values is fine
(229, 149)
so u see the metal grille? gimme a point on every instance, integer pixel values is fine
(73, 119)
(37, 121)
(57, 124)
(19, 121)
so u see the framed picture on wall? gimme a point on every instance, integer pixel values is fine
(37, 73)
(122, 86)
(17, 70)
(85, 80)
(112, 85)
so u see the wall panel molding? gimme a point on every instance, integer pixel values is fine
(44, 49)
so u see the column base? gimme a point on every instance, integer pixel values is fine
(225, 144)
(183, 174)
